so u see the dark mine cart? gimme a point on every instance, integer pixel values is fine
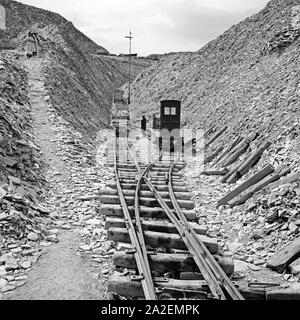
(170, 111)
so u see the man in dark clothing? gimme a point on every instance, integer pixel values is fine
(144, 123)
(36, 44)
(30, 45)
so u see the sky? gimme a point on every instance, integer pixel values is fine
(158, 26)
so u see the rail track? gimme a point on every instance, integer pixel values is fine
(163, 253)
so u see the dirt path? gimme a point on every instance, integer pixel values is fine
(63, 272)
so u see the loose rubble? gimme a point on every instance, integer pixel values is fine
(35, 211)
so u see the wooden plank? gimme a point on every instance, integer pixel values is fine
(159, 171)
(245, 185)
(233, 150)
(228, 149)
(237, 154)
(124, 287)
(215, 172)
(232, 154)
(191, 276)
(155, 212)
(294, 177)
(132, 186)
(146, 194)
(154, 181)
(230, 172)
(127, 288)
(210, 157)
(154, 225)
(286, 255)
(249, 163)
(152, 175)
(176, 178)
(164, 262)
(151, 202)
(216, 136)
(208, 132)
(247, 194)
(159, 239)
(158, 165)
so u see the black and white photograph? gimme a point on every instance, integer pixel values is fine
(149, 154)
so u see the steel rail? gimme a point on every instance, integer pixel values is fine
(139, 228)
(210, 269)
(146, 280)
(187, 237)
(215, 268)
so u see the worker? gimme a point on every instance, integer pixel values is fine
(36, 44)
(154, 122)
(30, 45)
(144, 123)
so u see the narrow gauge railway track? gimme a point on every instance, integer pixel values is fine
(142, 195)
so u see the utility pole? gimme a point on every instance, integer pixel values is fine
(129, 75)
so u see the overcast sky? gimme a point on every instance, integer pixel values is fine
(158, 26)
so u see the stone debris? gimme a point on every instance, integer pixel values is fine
(35, 208)
(283, 39)
(253, 232)
(32, 236)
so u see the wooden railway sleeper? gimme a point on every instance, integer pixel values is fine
(142, 265)
(190, 242)
(212, 264)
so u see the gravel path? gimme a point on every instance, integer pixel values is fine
(63, 272)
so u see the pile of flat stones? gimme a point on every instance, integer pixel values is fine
(283, 39)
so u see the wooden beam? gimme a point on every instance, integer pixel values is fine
(215, 172)
(250, 182)
(228, 149)
(154, 181)
(286, 255)
(155, 212)
(164, 262)
(159, 239)
(210, 157)
(144, 187)
(127, 288)
(146, 194)
(233, 150)
(151, 202)
(191, 276)
(294, 177)
(230, 172)
(237, 154)
(232, 154)
(247, 194)
(208, 132)
(249, 163)
(124, 287)
(154, 225)
(215, 137)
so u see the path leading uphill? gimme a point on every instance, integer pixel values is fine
(67, 269)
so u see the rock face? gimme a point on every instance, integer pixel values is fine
(247, 79)
(18, 153)
(21, 180)
(21, 18)
(81, 76)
